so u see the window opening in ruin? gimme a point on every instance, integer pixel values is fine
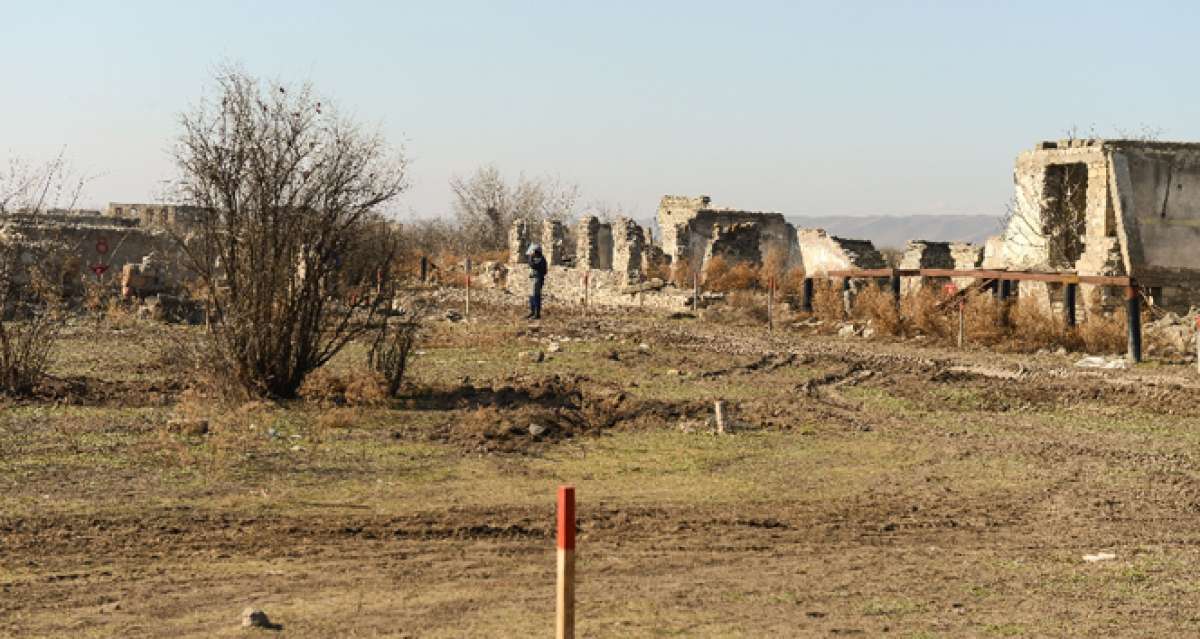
(1064, 212)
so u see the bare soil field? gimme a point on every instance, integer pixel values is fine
(869, 489)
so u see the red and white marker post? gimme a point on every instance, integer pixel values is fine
(565, 616)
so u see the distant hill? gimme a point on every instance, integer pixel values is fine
(894, 231)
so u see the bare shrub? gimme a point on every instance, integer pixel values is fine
(486, 205)
(791, 284)
(1103, 332)
(393, 348)
(748, 305)
(923, 312)
(33, 274)
(877, 305)
(828, 303)
(982, 317)
(293, 245)
(1033, 328)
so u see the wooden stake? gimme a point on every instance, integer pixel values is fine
(467, 310)
(771, 305)
(962, 323)
(565, 617)
(719, 409)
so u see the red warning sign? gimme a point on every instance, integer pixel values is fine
(99, 269)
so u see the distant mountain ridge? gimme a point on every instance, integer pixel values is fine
(894, 231)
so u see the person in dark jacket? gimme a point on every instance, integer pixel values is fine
(537, 273)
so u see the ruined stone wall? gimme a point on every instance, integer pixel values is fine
(965, 257)
(627, 249)
(554, 247)
(126, 242)
(518, 241)
(924, 254)
(739, 242)
(822, 253)
(688, 228)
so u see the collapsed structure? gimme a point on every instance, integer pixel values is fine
(129, 243)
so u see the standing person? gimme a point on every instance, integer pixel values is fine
(537, 273)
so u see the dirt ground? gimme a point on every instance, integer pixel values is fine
(869, 488)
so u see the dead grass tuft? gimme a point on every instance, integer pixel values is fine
(827, 300)
(357, 387)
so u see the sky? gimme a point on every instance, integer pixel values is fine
(826, 108)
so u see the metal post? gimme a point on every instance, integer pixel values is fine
(467, 309)
(1069, 304)
(1133, 312)
(806, 295)
(424, 269)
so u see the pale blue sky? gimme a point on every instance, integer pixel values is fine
(804, 108)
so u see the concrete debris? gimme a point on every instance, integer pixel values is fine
(1099, 361)
(1100, 556)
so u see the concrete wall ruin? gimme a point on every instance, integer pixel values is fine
(688, 226)
(1107, 207)
(611, 267)
(821, 253)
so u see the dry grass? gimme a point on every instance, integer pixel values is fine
(356, 387)
(877, 305)
(922, 314)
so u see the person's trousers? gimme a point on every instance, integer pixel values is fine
(535, 300)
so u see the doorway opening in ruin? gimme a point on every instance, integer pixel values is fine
(1064, 212)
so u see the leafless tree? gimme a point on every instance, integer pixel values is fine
(294, 243)
(485, 205)
(33, 286)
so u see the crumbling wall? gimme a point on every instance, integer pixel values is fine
(924, 254)
(627, 249)
(965, 257)
(688, 227)
(822, 253)
(518, 241)
(554, 243)
(735, 243)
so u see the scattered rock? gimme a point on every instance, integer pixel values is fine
(847, 330)
(644, 347)
(1100, 556)
(110, 607)
(554, 347)
(868, 332)
(537, 430)
(613, 355)
(672, 372)
(453, 316)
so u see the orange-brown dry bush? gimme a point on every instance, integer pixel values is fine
(827, 300)
(921, 312)
(792, 282)
(877, 305)
(1103, 333)
(1032, 328)
(356, 387)
(774, 265)
(720, 276)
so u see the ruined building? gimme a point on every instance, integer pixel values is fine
(1106, 207)
(128, 243)
(693, 231)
